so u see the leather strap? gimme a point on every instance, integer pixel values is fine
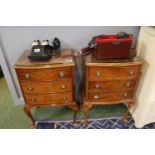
(91, 45)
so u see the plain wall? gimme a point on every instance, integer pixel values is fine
(14, 40)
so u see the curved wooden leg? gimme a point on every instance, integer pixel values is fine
(74, 107)
(85, 110)
(27, 110)
(125, 116)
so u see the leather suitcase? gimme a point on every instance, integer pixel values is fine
(112, 47)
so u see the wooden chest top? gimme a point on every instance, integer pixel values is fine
(61, 58)
(92, 61)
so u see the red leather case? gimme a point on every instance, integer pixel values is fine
(111, 47)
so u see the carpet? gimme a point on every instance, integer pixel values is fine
(102, 123)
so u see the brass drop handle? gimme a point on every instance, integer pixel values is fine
(131, 72)
(30, 88)
(64, 98)
(96, 97)
(98, 73)
(27, 76)
(128, 84)
(63, 87)
(61, 74)
(33, 99)
(97, 85)
(125, 94)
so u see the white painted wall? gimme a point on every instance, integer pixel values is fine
(14, 40)
(8, 77)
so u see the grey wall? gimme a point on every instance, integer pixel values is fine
(16, 39)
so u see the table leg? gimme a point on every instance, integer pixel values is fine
(85, 110)
(74, 107)
(27, 110)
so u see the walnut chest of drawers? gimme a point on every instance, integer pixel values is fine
(47, 82)
(110, 82)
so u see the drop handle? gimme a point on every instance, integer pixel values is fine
(64, 98)
(97, 85)
(125, 95)
(61, 74)
(33, 100)
(98, 73)
(27, 76)
(96, 97)
(131, 72)
(63, 87)
(128, 84)
(30, 88)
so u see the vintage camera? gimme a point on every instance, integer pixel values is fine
(42, 51)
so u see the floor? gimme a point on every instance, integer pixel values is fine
(13, 117)
(102, 123)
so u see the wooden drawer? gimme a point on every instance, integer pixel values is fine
(110, 97)
(100, 73)
(47, 99)
(44, 74)
(111, 86)
(46, 87)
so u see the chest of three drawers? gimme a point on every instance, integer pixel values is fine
(46, 85)
(110, 83)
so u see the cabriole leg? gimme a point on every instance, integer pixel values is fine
(74, 107)
(85, 110)
(27, 110)
(125, 116)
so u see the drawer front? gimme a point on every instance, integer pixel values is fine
(46, 87)
(44, 74)
(100, 73)
(110, 97)
(111, 86)
(45, 99)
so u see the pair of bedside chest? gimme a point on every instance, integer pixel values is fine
(51, 83)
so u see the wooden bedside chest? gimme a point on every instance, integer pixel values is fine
(47, 83)
(109, 82)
